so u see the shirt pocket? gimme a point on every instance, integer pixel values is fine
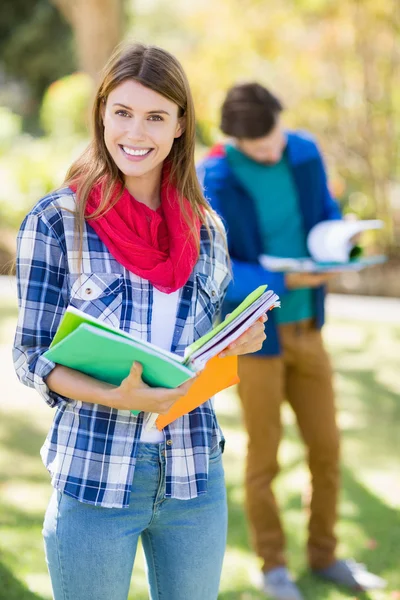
(207, 304)
(99, 295)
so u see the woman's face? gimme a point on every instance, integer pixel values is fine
(140, 126)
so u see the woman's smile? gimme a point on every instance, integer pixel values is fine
(135, 154)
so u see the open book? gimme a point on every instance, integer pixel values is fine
(332, 247)
(91, 346)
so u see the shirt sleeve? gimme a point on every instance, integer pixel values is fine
(41, 280)
(223, 268)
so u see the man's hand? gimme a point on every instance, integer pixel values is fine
(295, 281)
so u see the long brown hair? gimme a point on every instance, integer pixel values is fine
(161, 72)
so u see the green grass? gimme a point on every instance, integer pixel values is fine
(367, 381)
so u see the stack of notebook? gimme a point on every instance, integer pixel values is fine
(88, 345)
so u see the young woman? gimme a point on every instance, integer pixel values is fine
(130, 240)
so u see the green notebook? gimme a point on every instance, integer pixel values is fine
(109, 357)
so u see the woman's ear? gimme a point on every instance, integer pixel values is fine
(181, 126)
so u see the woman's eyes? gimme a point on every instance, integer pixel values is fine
(124, 113)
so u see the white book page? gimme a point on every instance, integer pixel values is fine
(331, 241)
(264, 299)
(236, 328)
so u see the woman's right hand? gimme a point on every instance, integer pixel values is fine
(135, 394)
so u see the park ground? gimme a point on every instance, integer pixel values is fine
(363, 337)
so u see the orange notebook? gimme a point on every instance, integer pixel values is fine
(218, 374)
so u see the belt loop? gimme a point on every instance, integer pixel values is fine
(162, 453)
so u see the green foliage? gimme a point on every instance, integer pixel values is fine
(36, 48)
(10, 127)
(334, 64)
(31, 168)
(65, 107)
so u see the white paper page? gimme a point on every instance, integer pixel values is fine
(236, 328)
(264, 300)
(330, 241)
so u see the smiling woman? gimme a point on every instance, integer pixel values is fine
(140, 127)
(130, 240)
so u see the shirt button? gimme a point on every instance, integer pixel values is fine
(213, 293)
(169, 442)
(88, 291)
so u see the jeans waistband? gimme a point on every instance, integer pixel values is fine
(150, 451)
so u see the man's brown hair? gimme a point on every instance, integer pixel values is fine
(249, 111)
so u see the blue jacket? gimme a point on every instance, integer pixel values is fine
(238, 212)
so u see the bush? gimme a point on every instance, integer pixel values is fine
(10, 128)
(65, 106)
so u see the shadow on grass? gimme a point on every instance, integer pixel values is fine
(314, 589)
(378, 400)
(238, 535)
(243, 593)
(11, 516)
(379, 521)
(13, 589)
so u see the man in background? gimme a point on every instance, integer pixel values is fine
(270, 188)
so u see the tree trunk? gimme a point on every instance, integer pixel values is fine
(97, 26)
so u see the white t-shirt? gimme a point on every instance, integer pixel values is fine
(162, 332)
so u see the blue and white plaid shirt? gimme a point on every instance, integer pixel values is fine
(90, 450)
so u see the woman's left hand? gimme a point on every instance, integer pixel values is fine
(250, 341)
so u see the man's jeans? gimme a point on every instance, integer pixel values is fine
(303, 376)
(90, 550)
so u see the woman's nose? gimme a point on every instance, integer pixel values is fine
(136, 129)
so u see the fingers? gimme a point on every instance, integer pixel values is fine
(136, 371)
(248, 342)
(185, 387)
(255, 331)
(169, 397)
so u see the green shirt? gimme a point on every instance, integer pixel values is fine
(281, 226)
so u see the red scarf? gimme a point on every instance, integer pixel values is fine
(157, 244)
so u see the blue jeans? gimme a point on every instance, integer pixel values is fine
(90, 550)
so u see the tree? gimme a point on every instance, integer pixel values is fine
(97, 26)
(35, 48)
(335, 65)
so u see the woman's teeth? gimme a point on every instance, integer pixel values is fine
(136, 152)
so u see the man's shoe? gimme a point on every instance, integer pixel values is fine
(278, 585)
(351, 575)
